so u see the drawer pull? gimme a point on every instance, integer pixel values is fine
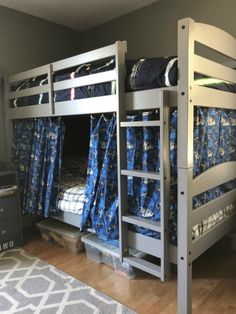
(1, 210)
(3, 231)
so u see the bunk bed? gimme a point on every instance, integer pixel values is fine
(187, 95)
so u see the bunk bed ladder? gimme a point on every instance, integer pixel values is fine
(132, 239)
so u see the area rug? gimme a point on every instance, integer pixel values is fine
(30, 285)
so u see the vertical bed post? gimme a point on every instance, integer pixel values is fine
(50, 90)
(121, 49)
(165, 184)
(185, 163)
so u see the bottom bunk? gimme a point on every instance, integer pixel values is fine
(92, 202)
(71, 195)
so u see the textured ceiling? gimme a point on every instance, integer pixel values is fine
(77, 14)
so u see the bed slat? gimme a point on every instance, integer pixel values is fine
(213, 177)
(213, 38)
(142, 222)
(43, 110)
(90, 56)
(213, 207)
(144, 265)
(28, 74)
(209, 97)
(86, 80)
(140, 124)
(141, 174)
(144, 244)
(91, 105)
(213, 69)
(148, 99)
(214, 234)
(29, 92)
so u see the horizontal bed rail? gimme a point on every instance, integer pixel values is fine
(213, 69)
(214, 234)
(212, 207)
(29, 91)
(92, 105)
(209, 97)
(44, 110)
(91, 56)
(144, 243)
(85, 80)
(65, 84)
(214, 177)
(23, 76)
(151, 98)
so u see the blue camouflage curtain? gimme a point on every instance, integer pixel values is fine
(36, 155)
(101, 209)
(214, 143)
(143, 147)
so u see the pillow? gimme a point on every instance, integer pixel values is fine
(147, 73)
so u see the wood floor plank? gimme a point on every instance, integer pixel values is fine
(214, 280)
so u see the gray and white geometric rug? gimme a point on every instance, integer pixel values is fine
(30, 285)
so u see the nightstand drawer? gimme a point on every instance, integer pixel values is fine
(9, 229)
(8, 207)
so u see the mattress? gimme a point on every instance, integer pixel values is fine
(71, 197)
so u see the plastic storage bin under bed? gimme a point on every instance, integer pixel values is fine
(61, 233)
(100, 251)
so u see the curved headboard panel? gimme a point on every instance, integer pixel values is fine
(216, 39)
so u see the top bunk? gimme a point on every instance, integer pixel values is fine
(101, 80)
(88, 83)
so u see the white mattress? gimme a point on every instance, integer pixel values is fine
(71, 196)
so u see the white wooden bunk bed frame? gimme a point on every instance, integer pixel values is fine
(186, 95)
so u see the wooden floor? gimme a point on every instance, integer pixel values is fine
(214, 284)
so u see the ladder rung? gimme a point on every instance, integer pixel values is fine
(141, 174)
(142, 222)
(144, 265)
(127, 124)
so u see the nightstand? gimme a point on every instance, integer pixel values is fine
(10, 214)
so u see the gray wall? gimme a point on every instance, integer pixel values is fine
(152, 31)
(27, 42)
